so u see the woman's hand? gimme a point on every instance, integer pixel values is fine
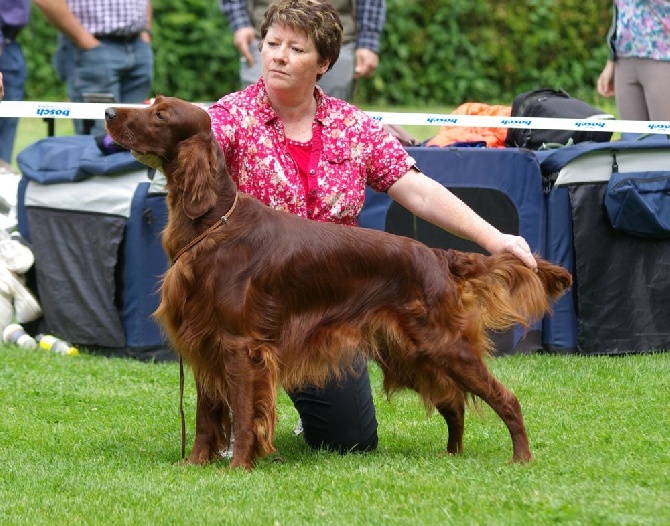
(242, 39)
(366, 63)
(515, 245)
(606, 80)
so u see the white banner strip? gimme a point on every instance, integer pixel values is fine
(57, 110)
(95, 110)
(596, 123)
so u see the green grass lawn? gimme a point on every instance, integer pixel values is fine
(92, 440)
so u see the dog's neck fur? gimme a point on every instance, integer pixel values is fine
(218, 190)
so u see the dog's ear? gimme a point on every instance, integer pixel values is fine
(197, 164)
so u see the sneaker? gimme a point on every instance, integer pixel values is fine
(16, 257)
(26, 306)
(298, 429)
(228, 452)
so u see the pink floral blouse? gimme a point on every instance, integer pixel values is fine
(354, 151)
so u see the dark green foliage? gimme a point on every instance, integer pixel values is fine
(39, 43)
(449, 52)
(195, 56)
(441, 52)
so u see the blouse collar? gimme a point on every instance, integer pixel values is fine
(268, 114)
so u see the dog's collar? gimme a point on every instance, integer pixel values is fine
(223, 220)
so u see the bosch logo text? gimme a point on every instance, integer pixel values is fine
(516, 121)
(442, 120)
(589, 124)
(52, 112)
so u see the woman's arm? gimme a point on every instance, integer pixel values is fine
(58, 14)
(432, 202)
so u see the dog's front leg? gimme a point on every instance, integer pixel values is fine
(209, 429)
(252, 374)
(242, 401)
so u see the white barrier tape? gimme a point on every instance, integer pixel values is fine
(96, 110)
(599, 123)
(57, 110)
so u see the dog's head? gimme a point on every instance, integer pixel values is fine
(154, 134)
(175, 137)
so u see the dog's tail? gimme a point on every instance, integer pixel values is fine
(499, 291)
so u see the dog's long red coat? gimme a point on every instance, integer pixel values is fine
(268, 298)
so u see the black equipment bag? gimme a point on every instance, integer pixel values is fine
(552, 103)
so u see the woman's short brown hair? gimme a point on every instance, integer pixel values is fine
(317, 19)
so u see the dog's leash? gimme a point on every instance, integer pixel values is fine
(181, 407)
(223, 220)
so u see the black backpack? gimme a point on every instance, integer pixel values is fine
(553, 103)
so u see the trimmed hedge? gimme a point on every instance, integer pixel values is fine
(433, 52)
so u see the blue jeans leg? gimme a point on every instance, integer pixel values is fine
(14, 73)
(125, 70)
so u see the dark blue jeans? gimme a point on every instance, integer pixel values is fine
(14, 74)
(341, 416)
(123, 69)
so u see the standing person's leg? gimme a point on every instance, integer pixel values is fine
(87, 71)
(629, 94)
(655, 79)
(340, 416)
(338, 81)
(13, 67)
(137, 75)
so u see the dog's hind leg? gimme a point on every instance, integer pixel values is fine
(432, 382)
(453, 413)
(472, 375)
(209, 429)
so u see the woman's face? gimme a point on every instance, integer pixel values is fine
(290, 60)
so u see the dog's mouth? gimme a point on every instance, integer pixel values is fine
(115, 138)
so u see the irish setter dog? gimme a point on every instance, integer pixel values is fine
(256, 298)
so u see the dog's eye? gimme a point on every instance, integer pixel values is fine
(159, 115)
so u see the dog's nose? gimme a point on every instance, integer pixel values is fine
(110, 114)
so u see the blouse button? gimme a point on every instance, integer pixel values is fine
(313, 192)
(312, 172)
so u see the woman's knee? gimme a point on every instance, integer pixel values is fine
(340, 416)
